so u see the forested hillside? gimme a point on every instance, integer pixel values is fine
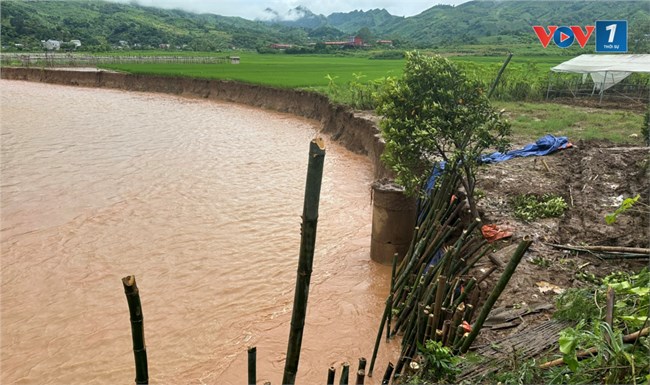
(102, 25)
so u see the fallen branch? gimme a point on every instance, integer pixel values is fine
(629, 338)
(604, 249)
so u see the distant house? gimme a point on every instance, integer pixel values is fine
(234, 60)
(281, 46)
(164, 46)
(51, 45)
(353, 41)
(77, 43)
(385, 42)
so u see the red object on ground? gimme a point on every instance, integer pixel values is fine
(494, 233)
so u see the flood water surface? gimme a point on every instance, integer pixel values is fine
(201, 201)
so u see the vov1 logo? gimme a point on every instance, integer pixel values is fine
(563, 37)
(611, 35)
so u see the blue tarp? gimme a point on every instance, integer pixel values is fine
(544, 146)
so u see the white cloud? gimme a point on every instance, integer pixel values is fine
(255, 9)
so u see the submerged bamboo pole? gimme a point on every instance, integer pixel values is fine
(387, 374)
(137, 329)
(345, 374)
(361, 377)
(378, 340)
(306, 258)
(331, 374)
(252, 365)
(494, 295)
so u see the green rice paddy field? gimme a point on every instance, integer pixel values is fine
(521, 91)
(311, 71)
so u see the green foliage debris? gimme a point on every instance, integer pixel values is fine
(529, 207)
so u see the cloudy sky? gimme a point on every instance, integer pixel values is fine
(255, 9)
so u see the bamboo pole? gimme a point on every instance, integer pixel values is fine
(387, 374)
(498, 289)
(378, 340)
(439, 297)
(391, 296)
(361, 377)
(345, 374)
(362, 363)
(252, 365)
(629, 338)
(331, 374)
(496, 81)
(306, 258)
(604, 249)
(137, 329)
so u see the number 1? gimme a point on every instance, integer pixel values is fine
(612, 32)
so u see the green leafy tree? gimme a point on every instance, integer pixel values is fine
(435, 112)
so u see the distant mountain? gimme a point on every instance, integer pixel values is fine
(100, 25)
(347, 22)
(474, 20)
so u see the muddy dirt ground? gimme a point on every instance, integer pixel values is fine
(593, 177)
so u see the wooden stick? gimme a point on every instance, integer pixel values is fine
(137, 329)
(498, 289)
(306, 258)
(252, 365)
(606, 249)
(629, 338)
(609, 310)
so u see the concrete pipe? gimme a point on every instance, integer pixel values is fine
(393, 221)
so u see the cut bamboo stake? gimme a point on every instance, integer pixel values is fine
(361, 376)
(498, 289)
(252, 365)
(390, 298)
(331, 374)
(345, 374)
(362, 363)
(440, 291)
(387, 374)
(137, 329)
(306, 258)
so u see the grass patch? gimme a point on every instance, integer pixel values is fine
(533, 120)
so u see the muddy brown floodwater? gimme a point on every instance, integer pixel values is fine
(201, 201)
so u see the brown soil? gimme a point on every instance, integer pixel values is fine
(610, 103)
(593, 178)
